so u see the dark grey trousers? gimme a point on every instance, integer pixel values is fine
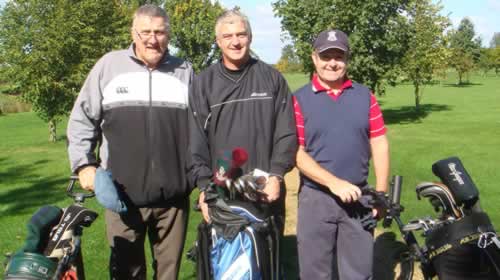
(332, 243)
(166, 230)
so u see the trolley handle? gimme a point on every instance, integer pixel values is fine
(395, 190)
(394, 207)
(78, 197)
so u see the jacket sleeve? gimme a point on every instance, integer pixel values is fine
(83, 130)
(199, 159)
(285, 138)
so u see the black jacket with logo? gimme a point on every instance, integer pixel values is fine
(253, 111)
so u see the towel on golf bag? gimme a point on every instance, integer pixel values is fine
(39, 228)
(60, 238)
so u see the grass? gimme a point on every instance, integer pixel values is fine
(33, 173)
(454, 120)
(461, 121)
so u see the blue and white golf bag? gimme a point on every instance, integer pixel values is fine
(241, 242)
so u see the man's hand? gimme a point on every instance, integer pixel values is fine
(203, 207)
(271, 191)
(344, 190)
(86, 176)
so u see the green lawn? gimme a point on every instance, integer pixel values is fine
(461, 121)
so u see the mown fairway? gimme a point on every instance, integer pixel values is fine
(454, 121)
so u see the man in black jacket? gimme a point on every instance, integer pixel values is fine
(241, 102)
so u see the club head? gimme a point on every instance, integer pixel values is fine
(440, 197)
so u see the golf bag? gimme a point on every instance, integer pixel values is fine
(51, 244)
(464, 245)
(241, 242)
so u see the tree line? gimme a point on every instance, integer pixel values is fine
(390, 40)
(47, 47)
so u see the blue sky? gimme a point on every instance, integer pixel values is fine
(267, 43)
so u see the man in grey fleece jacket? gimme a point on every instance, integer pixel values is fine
(133, 105)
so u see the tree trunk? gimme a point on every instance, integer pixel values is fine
(52, 131)
(417, 97)
(459, 77)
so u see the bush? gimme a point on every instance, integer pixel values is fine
(10, 104)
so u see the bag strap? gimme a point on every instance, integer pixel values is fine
(464, 231)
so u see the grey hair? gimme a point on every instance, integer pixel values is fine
(150, 10)
(232, 16)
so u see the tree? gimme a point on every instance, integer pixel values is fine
(496, 59)
(192, 27)
(427, 45)
(495, 40)
(289, 61)
(376, 29)
(49, 46)
(487, 60)
(465, 48)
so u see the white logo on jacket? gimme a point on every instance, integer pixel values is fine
(140, 87)
(258, 94)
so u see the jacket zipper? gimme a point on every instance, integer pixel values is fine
(150, 124)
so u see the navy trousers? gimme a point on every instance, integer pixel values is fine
(332, 243)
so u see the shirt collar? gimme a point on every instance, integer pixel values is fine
(317, 87)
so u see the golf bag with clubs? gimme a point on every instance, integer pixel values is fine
(464, 244)
(52, 248)
(242, 239)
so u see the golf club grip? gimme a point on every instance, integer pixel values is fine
(397, 182)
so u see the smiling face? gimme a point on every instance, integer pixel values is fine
(150, 39)
(331, 67)
(234, 41)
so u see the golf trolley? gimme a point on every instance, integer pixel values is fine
(460, 243)
(53, 246)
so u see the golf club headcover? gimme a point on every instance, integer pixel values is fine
(39, 228)
(453, 174)
(229, 165)
(61, 236)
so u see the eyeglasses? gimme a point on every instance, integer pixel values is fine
(147, 34)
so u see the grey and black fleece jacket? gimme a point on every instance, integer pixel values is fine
(252, 110)
(139, 117)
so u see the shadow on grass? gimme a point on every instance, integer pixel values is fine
(408, 114)
(289, 257)
(387, 256)
(34, 190)
(462, 85)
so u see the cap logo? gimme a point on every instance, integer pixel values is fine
(332, 36)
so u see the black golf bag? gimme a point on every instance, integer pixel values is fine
(241, 242)
(464, 245)
(52, 245)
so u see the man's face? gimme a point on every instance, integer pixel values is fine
(234, 42)
(331, 66)
(150, 38)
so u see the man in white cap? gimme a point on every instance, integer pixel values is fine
(340, 127)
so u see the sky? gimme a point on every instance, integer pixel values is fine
(267, 34)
